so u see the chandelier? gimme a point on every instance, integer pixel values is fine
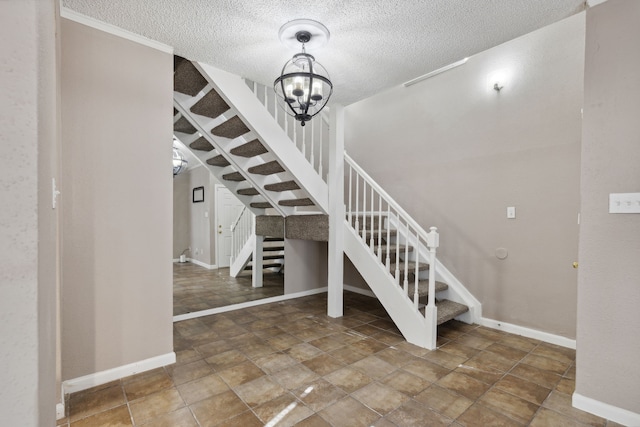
(179, 162)
(303, 87)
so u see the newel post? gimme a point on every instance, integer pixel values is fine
(335, 180)
(431, 311)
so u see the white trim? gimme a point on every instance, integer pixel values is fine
(103, 377)
(202, 264)
(528, 332)
(247, 304)
(436, 72)
(605, 410)
(112, 29)
(356, 290)
(592, 3)
(59, 411)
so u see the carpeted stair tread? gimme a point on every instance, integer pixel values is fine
(296, 202)
(211, 105)
(175, 111)
(423, 287)
(250, 149)
(218, 160)
(272, 248)
(201, 144)
(273, 256)
(268, 168)
(282, 186)
(232, 128)
(261, 205)
(186, 78)
(273, 239)
(411, 267)
(377, 232)
(234, 176)
(183, 125)
(248, 191)
(448, 310)
(392, 250)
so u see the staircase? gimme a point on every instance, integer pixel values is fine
(272, 255)
(251, 151)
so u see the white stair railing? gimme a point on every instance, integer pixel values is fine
(368, 208)
(311, 140)
(241, 231)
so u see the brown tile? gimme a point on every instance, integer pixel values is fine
(464, 385)
(544, 378)
(509, 405)
(214, 410)
(546, 364)
(383, 422)
(240, 374)
(313, 421)
(525, 389)
(116, 417)
(374, 367)
(303, 351)
(347, 355)
(180, 418)
(187, 356)
(323, 364)
(457, 349)
(155, 405)
(474, 341)
(246, 419)
(283, 411)
(256, 350)
(519, 342)
(427, 370)
(214, 348)
(326, 344)
(546, 417)
(259, 391)
(369, 346)
(395, 357)
(571, 372)
(348, 379)
(556, 352)
(490, 334)
(481, 416)
(145, 384)
(202, 388)
(380, 398)
(274, 362)
(488, 361)
(416, 414)
(507, 352)
(348, 412)
(412, 349)
(444, 359)
(190, 371)
(295, 376)
(388, 337)
(89, 402)
(319, 394)
(283, 342)
(561, 403)
(566, 385)
(270, 332)
(486, 375)
(406, 383)
(443, 401)
(227, 359)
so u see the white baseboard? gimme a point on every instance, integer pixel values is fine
(202, 264)
(356, 290)
(59, 411)
(247, 304)
(103, 377)
(528, 332)
(604, 410)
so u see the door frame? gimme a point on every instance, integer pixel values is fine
(218, 203)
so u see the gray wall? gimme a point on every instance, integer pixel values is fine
(117, 185)
(305, 265)
(608, 285)
(455, 153)
(27, 222)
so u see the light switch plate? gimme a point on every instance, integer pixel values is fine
(624, 203)
(511, 212)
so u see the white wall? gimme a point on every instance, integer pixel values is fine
(455, 153)
(608, 283)
(117, 186)
(27, 227)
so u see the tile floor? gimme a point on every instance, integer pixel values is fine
(196, 288)
(287, 363)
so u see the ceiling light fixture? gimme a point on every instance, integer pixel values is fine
(179, 162)
(303, 87)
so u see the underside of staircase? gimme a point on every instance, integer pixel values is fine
(233, 135)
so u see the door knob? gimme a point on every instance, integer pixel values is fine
(575, 264)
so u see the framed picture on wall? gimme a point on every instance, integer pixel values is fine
(198, 194)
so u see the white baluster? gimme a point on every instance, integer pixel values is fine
(379, 228)
(357, 225)
(388, 236)
(433, 241)
(364, 211)
(304, 142)
(406, 261)
(350, 205)
(320, 153)
(416, 295)
(266, 98)
(313, 137)
(371, 239)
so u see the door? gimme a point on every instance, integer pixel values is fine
(228, 208)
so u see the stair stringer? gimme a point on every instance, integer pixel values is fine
(244, 256)
(411, 323)
(456, 291)
(236, 93)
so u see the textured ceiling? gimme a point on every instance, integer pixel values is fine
(374, 45)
